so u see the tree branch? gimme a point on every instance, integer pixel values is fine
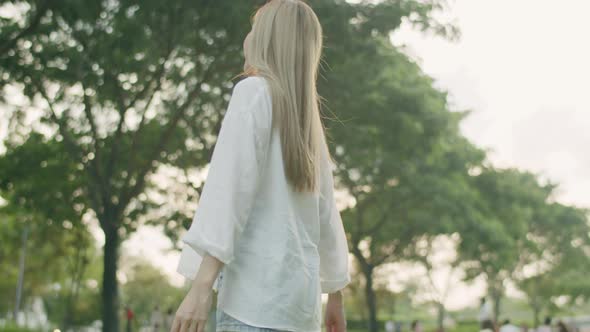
(90, 116)
(365, 265)
(157, 80)
(380, 260)
(127, 195)
(162, 141)
(385, 217)
(76, 151)
(102, 182)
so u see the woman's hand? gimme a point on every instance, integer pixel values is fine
(334, 316)
(193, 312)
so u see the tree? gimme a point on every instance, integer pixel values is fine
(438, 255)
(141, 275)
(400, 157)
(32, 178)
(499, 242)
(557, 264)
(73, 300)
(57, 257)
(82, 249)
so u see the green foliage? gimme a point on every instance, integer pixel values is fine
(41, 185)
(142, 276)
(14, 328)
(561, 260)
(39, 176)
(83, 311)
(56, 269)
(398, 150)
(519, 230)
(49, 249)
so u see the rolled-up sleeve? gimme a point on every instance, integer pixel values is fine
(333, 247)
(232, 181)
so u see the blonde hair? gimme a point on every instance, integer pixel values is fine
(285, 47)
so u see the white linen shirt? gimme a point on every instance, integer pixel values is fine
(281, 249)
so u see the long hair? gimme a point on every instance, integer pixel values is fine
(285, 47)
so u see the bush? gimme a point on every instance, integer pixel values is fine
(468, 326)
(14, 328)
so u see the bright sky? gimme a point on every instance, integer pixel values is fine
(523, 67)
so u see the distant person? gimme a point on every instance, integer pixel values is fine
(524, 327)
(156, 320)
(485, 312)
(546, 327)
(562, 327)
(416, 326)
(129, 315)
(389, 326)
(508, 327)
(168, 319)
(267, 218)
(487, 326)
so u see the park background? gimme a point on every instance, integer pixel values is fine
(459, 128)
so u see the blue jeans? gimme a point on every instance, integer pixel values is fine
(226, 323)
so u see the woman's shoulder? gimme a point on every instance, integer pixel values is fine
(251, 84)
(253, 98)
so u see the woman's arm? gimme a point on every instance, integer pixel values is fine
(334, 318)
(230, 188)
(194, 310)
(333, 248)
(208, 272)
(226, 199)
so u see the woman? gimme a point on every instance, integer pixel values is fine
(267, 234)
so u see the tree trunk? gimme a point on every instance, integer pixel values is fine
(371, 300)
(66, 320)
(21, 273)
(536, 314)
(76, 272)
(497, 296)
(110, 296)
(441, 316)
